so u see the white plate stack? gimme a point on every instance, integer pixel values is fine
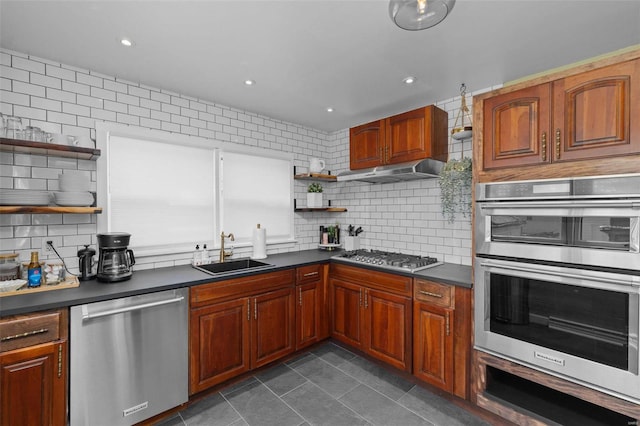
(24, 197)
(74, 190)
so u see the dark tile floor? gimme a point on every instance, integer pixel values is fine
(326, 386)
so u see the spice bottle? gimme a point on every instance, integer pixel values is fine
(34, 271)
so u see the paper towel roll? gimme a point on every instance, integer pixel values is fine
(259, 243)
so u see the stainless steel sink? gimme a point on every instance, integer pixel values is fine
(231, 266)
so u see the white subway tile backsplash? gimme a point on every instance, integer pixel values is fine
(403, 216)
(107, 95)
(89, 80)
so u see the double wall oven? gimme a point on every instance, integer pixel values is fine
(557, 278)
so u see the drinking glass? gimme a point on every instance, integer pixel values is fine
(14, 128)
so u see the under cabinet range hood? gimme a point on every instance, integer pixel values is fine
(427, 168)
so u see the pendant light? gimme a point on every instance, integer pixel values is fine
(461, 132)
(414, 15)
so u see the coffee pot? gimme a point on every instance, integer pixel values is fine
(86, 263)
(115, 260)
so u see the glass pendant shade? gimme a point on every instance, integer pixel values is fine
(414, 15)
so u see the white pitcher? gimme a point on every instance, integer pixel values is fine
(316, 165)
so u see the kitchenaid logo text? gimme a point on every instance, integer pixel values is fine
(135, 409)
(549, 358)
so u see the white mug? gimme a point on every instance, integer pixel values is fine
(316, 165)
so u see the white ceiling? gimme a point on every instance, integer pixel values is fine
(306, 55)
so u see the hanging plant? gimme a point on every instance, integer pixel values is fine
(455, 188)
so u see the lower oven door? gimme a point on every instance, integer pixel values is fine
(577, 324)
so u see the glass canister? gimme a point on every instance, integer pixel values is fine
(32, 133)
(9, 266)
(3, 126)
(14, 128)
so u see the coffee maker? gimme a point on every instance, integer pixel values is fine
(115, 260)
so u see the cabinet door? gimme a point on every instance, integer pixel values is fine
(366, 145)
(433, 345)
(417, 134)
(516, 128)
(596, 113)
(388, 328)
(219, 343)
(308, 306)
(346, 313)
(34, 385)
(273, 326)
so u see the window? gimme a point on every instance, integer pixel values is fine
(171, 192)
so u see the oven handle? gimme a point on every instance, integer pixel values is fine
(598, 204)
(609, 280)
(87, 316)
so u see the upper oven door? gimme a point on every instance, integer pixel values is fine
(603, 233)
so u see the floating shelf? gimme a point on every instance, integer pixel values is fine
(321, 209)
(41, 148)
(49, 209)
(329, 208)
(316, 177)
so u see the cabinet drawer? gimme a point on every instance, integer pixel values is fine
(434, 293)
(308, 274)
(27, 330)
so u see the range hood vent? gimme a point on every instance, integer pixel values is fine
(427, 168)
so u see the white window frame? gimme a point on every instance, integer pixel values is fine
(105, 130)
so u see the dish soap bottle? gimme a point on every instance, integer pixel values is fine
(34, 271)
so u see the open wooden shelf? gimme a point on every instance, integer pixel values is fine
(49, 209)
(321, 209)
(42, 148)
(316, 177)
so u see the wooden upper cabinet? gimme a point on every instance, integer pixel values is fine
(597, 113)
(413, 135)
(366, 144)
(517, 127)
(587, 115)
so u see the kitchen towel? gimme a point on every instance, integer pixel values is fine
(259, 243)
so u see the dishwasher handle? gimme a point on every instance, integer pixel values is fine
(87, 316)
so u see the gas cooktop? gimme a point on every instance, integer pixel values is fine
(389, 260)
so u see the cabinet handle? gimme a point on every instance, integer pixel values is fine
(59, 360)
(300, 296)
(386, 154)
(544, 146)
(366, 301)
(557, 144)
(428, 293)
(255, 309)
(360, 297)
(310, 274)
(248, 309)
(446, 323)
(22, 335)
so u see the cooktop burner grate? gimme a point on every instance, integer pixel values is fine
(389, 260)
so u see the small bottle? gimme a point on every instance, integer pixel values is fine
(34, 271)
(321, 233)
(196, 255)
(205, 255)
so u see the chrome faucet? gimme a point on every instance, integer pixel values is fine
(224, 253)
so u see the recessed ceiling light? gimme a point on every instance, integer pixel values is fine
(409, 80)
(126, 42)
(329, 109)
(249, 82)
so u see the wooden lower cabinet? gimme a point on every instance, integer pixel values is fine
(238, 325)
(442, 336)
(310, 305)
(371, 311)
(33, 377)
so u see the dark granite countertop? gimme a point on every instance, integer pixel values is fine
(152, 280)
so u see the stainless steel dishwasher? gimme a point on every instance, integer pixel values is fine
(129, 358)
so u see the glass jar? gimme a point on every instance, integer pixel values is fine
(14, 128)
(9, 266)
(33, 133)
